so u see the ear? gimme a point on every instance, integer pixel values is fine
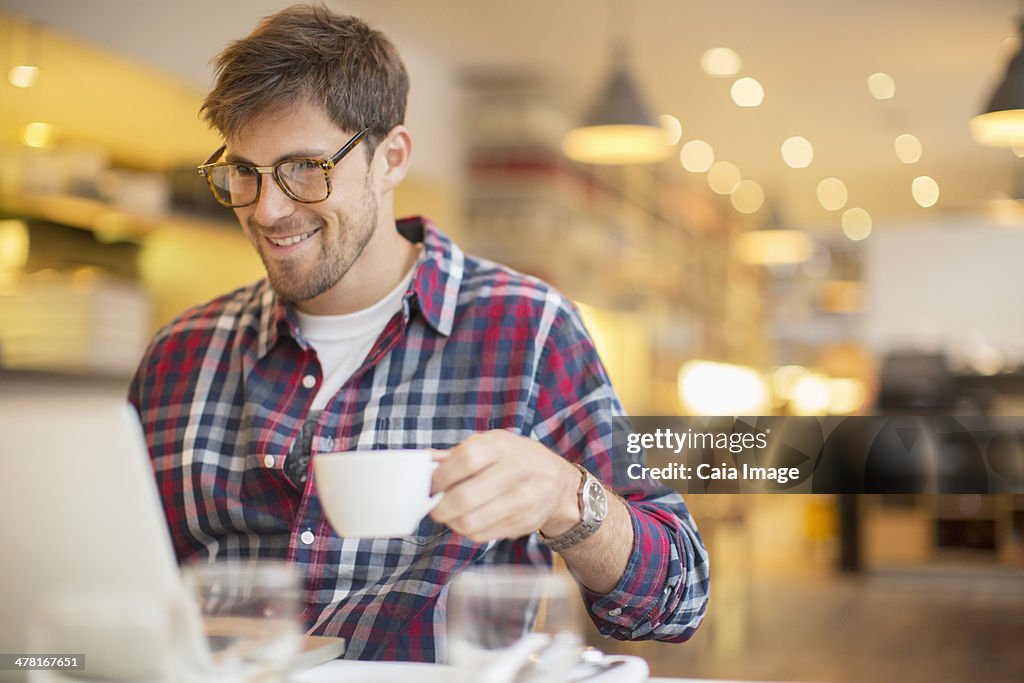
(394, 152)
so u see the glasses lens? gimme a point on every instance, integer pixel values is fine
(234, 184)
(304, 178)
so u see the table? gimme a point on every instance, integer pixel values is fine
(339, 671)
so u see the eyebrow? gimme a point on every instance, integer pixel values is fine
(308, 153)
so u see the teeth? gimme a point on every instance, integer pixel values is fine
(288, 241)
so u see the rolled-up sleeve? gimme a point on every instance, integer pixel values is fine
(663, 593)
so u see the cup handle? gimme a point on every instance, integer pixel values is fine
(432, 502)
(434, 499)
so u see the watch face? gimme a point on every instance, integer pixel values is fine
(597, 500)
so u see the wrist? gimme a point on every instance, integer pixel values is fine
(566, 513)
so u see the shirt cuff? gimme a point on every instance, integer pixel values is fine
(624, 610)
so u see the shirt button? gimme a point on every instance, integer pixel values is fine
(268, 461)
(309, 381)
(307, 537)
(615, 612)
(328, 442)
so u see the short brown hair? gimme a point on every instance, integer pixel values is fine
(309, 53)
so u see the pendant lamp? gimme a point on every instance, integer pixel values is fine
(618, 129)
(1002, 122)
(772, 244)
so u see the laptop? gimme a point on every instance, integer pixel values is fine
(80, 513)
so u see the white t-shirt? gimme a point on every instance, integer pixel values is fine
(342, 342)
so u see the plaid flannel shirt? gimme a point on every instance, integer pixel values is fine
(223, 391)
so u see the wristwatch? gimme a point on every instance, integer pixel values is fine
(593, 509)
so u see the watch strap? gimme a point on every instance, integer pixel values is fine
(586, 527)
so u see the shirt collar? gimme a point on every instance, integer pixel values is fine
(436, 284)
(434, 290)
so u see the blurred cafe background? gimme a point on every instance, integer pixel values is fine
(815, 219)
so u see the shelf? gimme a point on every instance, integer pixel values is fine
(40, 381)
(106, 220)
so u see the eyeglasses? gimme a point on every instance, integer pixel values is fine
(304, 180)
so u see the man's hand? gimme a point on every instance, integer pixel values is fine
(501, 485)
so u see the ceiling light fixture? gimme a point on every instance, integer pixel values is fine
(712, 388)
(747, 197)
(1002, 122)
(697, 156)
(618, 129)
(772, 244)
(39, 134)
(747, 92)
(881, 86)
(720, 61)
(925, 191)
(908, 148)
(723, 177)
(25, 73)
(856, 224)
(832, 194)
(797, 152)
(672, 129)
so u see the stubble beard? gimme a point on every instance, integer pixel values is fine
(295, 282)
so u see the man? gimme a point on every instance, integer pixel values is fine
(371, 333)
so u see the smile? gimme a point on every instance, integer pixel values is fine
(294, 239)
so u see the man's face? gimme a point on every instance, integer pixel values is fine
(306, 248)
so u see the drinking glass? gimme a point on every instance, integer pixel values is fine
(250, 615)
(513, 624)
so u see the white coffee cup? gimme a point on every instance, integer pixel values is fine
(375, 494)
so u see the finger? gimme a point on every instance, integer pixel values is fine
(479, 529)
(464, 461)
(489, 484)
(512, 526)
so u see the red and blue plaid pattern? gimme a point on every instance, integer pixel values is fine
(223, 392)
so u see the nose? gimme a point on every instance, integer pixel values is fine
(273, 204)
